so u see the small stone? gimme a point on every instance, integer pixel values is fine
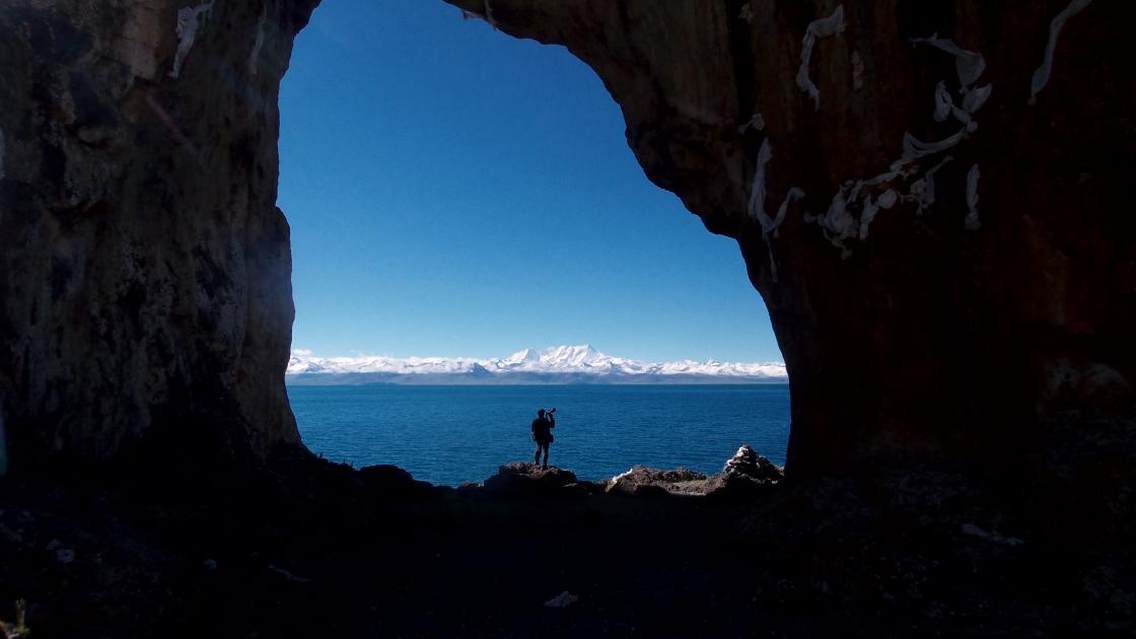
(65, 555)
(563, 600)
(210, 564)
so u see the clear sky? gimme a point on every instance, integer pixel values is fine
(454, 191)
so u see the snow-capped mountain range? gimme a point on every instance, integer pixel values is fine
(559, 364)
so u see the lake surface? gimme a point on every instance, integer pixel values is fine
(453, 434)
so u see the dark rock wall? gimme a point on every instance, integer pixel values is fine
(985, 307)
(145, 288)
(962, 298)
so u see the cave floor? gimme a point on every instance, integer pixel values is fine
(313, 549)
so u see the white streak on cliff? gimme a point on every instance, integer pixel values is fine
(1041, 75)
(757, 202)
(487, 16)
(871, 208)
(923, 190)
(257, 44)
(968, 64)
(757, 188)
(793, 195)
(972, 223)
(189, 20)
(914, 148)
(973, 99)
(840, 222)
(888, 199)
(746, 13)
(837, 221)
(819, 28)
(756, 122)
(943, 102)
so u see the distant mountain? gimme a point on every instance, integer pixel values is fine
(556, 365)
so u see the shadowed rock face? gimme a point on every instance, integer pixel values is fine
(956, 293)
(144, 268)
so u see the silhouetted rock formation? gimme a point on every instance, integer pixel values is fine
(308, 548)
(522, 478)
(933, 198)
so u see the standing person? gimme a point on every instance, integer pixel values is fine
(542, 434)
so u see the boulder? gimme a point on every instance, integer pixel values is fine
(526, 479)
(644, 481)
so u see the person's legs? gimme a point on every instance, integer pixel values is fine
(545, 446)
(536, 457)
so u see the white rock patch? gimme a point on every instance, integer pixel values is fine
(1041, 75)
(817, 29)
(757, 202)
(972, 223)
(756, 122)
(254, 56)
(189, 20)
(968, 64)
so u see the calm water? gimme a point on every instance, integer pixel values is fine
(452, 434)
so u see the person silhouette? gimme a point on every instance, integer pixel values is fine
(542, 434)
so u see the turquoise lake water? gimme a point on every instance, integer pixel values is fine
(453, 434)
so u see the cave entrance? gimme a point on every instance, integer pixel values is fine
(457, 193)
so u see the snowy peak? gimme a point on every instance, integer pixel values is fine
(527, 356)
(570, 353)
(571, 356)
(566, 363)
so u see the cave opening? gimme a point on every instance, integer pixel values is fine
(459, 200)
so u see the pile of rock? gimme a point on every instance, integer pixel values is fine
(746, 464)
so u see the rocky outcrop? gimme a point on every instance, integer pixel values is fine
(742, 475)
(522, 479)
(144, 268)
(932, 198)
(640, 481)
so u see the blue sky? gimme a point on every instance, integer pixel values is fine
(454, 191)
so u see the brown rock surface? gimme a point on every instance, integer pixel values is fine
(922, 305)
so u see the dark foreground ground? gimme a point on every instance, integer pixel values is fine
(310, 549)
